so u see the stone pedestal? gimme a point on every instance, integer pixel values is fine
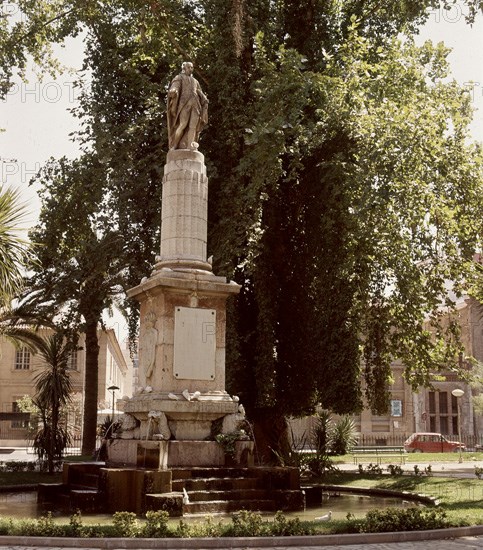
(183, 320)
(184, 212)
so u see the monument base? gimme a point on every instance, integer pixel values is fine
(186, 420)
(162, 455)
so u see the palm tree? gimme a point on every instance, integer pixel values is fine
(53, 391)
(14, 251)
(15, 254)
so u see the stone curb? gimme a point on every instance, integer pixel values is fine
(245, 542)
(372, 491)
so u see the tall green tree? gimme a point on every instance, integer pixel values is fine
(77, 273)
(350, 207)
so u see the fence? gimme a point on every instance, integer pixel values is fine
(471, 441)
(301, 437)
(13, 433)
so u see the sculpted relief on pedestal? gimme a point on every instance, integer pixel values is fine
(148, 347)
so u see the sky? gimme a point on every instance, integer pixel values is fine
(37, 125)
(466, 59)
(37, 122)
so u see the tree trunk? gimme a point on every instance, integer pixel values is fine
(271, 436)
(54, 419)
(89, 427)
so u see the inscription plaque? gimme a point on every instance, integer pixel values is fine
(194, 343)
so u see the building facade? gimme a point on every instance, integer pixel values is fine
(19, 366)
(432, 409)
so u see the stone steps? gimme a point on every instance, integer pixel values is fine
(86, 500)
(223, 490)
(210, 490)
(214, 490)
(236, 495)
(206, 472)
(215, 484)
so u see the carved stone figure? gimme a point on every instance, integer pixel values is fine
(148, 345)
(187, 110)
(129, 427)
(156, 426)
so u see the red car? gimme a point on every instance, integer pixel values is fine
(427, 442)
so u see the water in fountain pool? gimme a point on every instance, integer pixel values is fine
(24, 505)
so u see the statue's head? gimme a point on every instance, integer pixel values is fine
(150, 318)
(187, 67)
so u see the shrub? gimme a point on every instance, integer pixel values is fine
(208, 528)
(343, 436)
(417, 471)
(183, 530)
(478, 472)
(227, 442)
(18, 466)
(395, 470)
(248, 524)
(45, 527)
(409, 519)
(283, 527)
(125, 524)
(371, 468)
(320, 434)
(318, 465)
(156, 524)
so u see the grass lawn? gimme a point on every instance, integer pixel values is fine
(28, 478)
(461, 498)
(412, 458)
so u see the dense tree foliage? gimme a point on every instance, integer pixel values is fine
(77, 273)
(343, 186)
(349, 204)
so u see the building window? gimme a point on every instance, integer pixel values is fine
(454, 405)
(443, 403)
(18, 423)
(455, 424)
(72, 362)
(443, 422)
(396, 407)
(442, 408)
(22, 359)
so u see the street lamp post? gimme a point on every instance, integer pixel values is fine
(113, 389)
(458, 393)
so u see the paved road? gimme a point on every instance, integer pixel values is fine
(467, 543)
(463, 543)
(459, 544)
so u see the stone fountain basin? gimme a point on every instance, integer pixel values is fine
(188, 420)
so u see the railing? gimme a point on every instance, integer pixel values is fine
(470, 441)
(74, 448)
(397, 440)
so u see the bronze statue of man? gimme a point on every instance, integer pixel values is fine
(187, 110)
